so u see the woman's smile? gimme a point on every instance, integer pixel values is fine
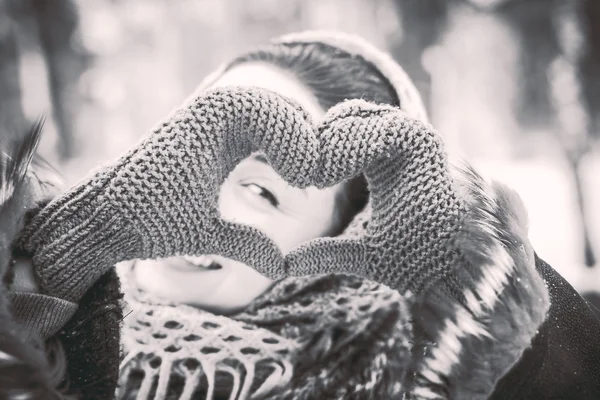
(194, 264)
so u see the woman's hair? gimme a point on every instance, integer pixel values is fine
(332, 75)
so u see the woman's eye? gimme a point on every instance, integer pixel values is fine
(262, 192)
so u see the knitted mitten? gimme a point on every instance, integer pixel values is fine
(160, 199)
(408, 242)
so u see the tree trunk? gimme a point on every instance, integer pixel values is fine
(572, 113)
(422, 23)
(57, 22)
(12, 118)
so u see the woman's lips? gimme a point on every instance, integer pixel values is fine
(193, 263)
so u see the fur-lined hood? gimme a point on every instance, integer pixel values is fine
(465, 342)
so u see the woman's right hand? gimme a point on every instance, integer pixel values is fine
(160, 199)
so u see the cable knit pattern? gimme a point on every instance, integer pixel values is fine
(160, 199)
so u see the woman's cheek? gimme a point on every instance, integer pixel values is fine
(152, 277)
(236, 291)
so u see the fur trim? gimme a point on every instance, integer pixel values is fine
(464, 346)
(23, 367)
(15, 158)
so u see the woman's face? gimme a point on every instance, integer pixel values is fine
(253, 194)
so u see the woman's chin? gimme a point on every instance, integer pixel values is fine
(223, 291)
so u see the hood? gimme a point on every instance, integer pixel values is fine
(465, 342)
(408, 95)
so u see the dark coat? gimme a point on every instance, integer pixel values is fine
(563, 361)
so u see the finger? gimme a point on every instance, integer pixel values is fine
(329, 255)
(246, 244)
(253, 118)
(356, 134)
(403, 160)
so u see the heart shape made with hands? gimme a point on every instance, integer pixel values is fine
(415, 210)
(161, 198)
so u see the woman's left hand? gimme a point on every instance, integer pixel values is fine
(416, 210)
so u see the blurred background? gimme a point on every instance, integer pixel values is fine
(511, 84)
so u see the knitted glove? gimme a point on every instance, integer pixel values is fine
(408, 242)
(160, 199)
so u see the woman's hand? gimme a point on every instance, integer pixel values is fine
(416, 211)
(160, 199)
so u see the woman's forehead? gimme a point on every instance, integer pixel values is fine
(270, 77)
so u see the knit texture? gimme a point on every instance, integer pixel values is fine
(352, 148)
(42, 316)
(282, 347)
(409, 242)
(160, 199)
(407, 94)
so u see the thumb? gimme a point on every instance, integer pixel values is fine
(352, 136)
(329, 255)
(248, 245)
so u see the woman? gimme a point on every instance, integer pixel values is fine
(369, 324)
